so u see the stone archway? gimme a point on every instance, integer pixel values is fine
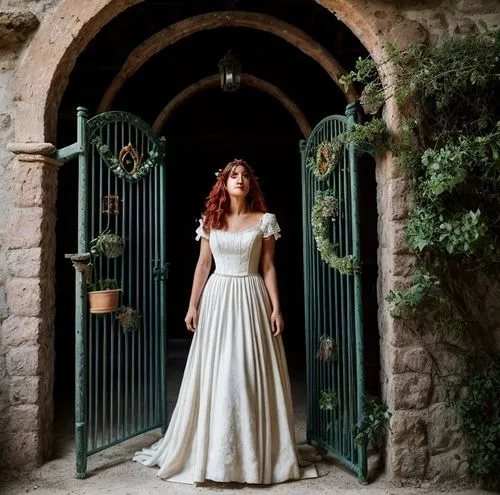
(214, 20)
(40, 83)
(246, 80)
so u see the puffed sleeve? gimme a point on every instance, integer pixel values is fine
(270, 226)
(200, 232)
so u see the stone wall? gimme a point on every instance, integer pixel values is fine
(425, 443)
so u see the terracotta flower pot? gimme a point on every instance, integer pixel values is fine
(104, 301)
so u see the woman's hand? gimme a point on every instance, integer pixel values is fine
(191, 319)
(277, 322)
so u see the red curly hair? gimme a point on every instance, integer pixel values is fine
(217, 202)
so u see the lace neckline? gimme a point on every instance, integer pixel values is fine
(242, 231)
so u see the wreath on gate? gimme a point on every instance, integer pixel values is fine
(141, 166)
(324, 210)
(327, 157)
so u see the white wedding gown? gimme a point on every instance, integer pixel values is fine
(233, 420)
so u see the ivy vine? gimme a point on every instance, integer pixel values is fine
(449, 149)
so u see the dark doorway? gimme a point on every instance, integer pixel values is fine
(202, 135)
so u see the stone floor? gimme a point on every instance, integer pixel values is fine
(112, 472)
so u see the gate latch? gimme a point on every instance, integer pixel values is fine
(161, 272)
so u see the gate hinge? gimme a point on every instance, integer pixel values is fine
(161, 272)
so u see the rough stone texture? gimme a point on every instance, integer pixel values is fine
(411, 391)
(15, 25)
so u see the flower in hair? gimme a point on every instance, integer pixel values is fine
(218, 173)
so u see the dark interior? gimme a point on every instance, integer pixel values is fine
(207, 131)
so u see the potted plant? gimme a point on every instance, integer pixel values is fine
(104, 295)
(107, 244)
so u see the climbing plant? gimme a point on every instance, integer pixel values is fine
(449, 149)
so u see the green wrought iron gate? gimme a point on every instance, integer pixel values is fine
(120, 360)
(333, 306)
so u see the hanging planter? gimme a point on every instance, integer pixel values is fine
(328, 155)
(128, 318)
(327, 350)
(324, 211)
(104, 296)
(107, 244)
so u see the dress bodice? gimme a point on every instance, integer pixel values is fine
(238, 253)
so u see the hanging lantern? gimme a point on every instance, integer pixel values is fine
(230, 72)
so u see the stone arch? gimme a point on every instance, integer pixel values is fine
(246, 80)
(213, 20)
(41, 79)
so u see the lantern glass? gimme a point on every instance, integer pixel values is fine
(230, 72)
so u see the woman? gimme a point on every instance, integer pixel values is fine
(233, 420)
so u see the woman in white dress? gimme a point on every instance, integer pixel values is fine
(233, 420)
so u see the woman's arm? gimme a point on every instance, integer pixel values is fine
(268, 272)
(201, 273)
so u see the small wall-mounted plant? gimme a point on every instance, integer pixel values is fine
(107, 244)
(327, 400)
(327, 349)
(128, 318)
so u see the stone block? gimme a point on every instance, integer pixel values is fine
(24, 296)
(20, 450)
(477, 6)
(410, 391)
(402, 265)
(23, 418)
(406, 33)
(15, 25)
(26, 263)
(397, 199)
(21, 330)
(409, 428)
(451, 465)
(416, 360)
(408, 463)
(26, 228)
(25, 389)
(33, 183)
(23, 361)
(444, 428)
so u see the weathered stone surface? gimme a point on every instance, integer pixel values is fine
(23, 361)
(466, 27)
(23, 418)
(24, 296)
(402, 265)
(392, 235)
(33, 183)
(25, 263)
(26, 228)
(411, 391)
(444, 428)
(416, 360)
(476, 6)
(451, 465)
(32, 148)
(408, 463)
(5, 121)
(406, 33)
(19, 450)
(409, 428)
(398, 199)
(19, 330)
(25, 389)
(15, 25)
